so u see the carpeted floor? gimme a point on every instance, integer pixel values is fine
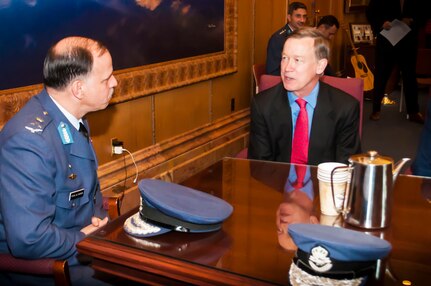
(393, 135)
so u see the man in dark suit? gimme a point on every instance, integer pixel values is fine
(297, 17)
(380, 14)
(333, 125)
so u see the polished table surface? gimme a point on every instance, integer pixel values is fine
(250, 249)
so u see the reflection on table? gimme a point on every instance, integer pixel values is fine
(253, 247)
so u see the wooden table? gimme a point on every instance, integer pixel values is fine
(249, 250)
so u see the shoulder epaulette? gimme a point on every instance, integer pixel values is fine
(38, 124)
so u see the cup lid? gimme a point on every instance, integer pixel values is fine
(324, 172)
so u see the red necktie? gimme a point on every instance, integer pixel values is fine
(300, 174)
(300, 136)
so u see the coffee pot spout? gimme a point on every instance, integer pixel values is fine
(398, 167)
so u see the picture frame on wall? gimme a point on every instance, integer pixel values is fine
(173, 59)
(361, 33)
(355, 6)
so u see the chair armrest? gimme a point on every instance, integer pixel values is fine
(112, 205)
(44, 266)
(49, 266)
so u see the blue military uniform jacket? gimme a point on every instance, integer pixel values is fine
(274, 50)
(49, 188)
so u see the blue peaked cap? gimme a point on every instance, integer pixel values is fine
(342, 244)
(167, 206)
(184, 203)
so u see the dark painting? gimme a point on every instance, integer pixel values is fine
(136, 32)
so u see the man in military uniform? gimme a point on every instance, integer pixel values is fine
(50, 197)
(297, 17)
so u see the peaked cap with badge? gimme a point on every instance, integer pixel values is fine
(168, 206)
(330, 255)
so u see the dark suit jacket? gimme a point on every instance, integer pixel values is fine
(334, 131)
(379, 11)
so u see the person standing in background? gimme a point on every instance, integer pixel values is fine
(380, 14)
(297, 17)
(328, 25)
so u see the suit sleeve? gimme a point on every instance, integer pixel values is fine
(259, 145)
(27, 200)
(375, 16)
(348, 140)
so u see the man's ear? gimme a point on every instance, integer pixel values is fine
(77, 89)
(289, 18)
(321, 65)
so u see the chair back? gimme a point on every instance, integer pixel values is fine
(423, 63)
(258, 71)
(423, 68)
(268, 81)
(352, 86)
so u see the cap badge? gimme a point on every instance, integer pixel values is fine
(319, 259)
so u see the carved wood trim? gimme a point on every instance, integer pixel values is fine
(178, 149)
(177, 158)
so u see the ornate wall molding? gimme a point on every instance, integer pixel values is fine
(177, 158)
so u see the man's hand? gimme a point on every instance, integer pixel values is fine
(96, 223)
(408, 21)
(387, 25)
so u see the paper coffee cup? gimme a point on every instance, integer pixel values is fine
(340, 178)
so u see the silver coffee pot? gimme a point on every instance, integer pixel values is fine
(368, 202)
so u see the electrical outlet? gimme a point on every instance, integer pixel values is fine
(116, 146)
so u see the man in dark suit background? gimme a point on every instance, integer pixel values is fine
(333, 115)
(297, 17)
(380, 14)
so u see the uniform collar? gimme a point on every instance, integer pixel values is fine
(72, 119)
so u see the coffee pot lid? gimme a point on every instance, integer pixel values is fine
(371, 158)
